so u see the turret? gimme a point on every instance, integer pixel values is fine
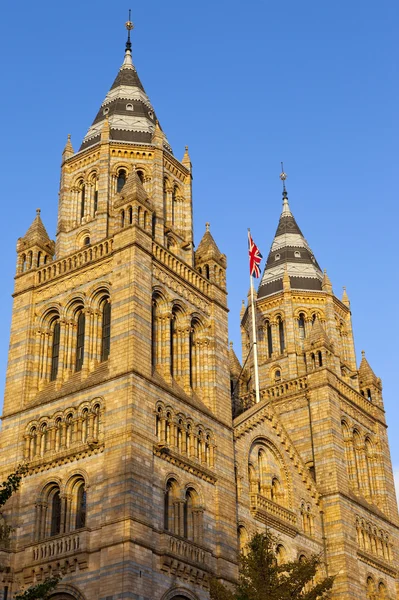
(35, 248)
(370, 385)
(209, 261)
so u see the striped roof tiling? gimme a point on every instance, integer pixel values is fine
(290, 251)
(129, 111)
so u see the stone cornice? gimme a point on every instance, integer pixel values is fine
(163, 451)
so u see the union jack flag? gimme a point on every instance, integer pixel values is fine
(255, 257)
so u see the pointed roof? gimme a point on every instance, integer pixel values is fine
(208, 250)
(133, 189)
(318, 335)
(291, 252)
(366, 373)
(36, 236)
(235, 366)
(128, 108)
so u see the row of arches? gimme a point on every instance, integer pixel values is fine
(61, 509)
(180, 344)
(77, 260)
(84, 198)
(180, 433)
(361, 460)
(135, 214)
(214, 273)
(81, 336)
(33, 259)
(373, 539)
(64, 430)
(183, 511)
(271, 335)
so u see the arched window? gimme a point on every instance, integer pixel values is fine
(39, 258)
(55, 524)
(194, 355)
(320, 357)
(85, 424)
(81, 504)
(140, 176)
(281, 334)
(280, 555)
(120, 180)
(95, 195)
(371, 591)
(173, 342)
(269, 339)
(191, 525)
(154, 332)
(174, 208)
(169, 496)
(106, 331)
(82, 200)
(55, 351)
(242, 539)
(80, 341)
(301, 326)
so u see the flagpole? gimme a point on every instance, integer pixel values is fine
(254, 341)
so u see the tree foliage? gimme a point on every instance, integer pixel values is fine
(11, 484)
(41, 591)
(262, 578)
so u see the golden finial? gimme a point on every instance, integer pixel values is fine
(129, 26)
(207, 225)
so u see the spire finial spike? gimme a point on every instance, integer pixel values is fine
(38, 212)
(363, 353)
(129, 26)
(127, 63)
(283, 177)
(207, 225)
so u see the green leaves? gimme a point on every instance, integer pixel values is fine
(40, 591)
(11, 484)
(262, 578)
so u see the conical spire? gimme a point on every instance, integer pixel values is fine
(366, 373)
(235, 366)
(37, 233)
(289, 251)
(68, 150)
(132, 190)
(36, 236)
(208, 250)
(127, 106)
(318, 335)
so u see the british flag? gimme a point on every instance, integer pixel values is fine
(255, 257)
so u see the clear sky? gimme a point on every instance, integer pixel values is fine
(245, 85)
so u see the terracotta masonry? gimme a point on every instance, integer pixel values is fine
(150, 463)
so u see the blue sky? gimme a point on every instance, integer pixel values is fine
(245, 85)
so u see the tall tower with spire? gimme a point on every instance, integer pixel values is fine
(117, 393)
(317, 438)
(150, 461)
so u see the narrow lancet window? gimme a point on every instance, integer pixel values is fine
(80, 507)
(121, 180)
(106, 331)
(80, 342)
(55, 351)
(55, 514)
(82, 201)
(281, 335)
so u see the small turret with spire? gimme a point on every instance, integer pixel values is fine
(35, 248)
(209, 261)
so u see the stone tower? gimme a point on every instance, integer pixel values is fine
(121, 387)
(319, 468)
(117, 391)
